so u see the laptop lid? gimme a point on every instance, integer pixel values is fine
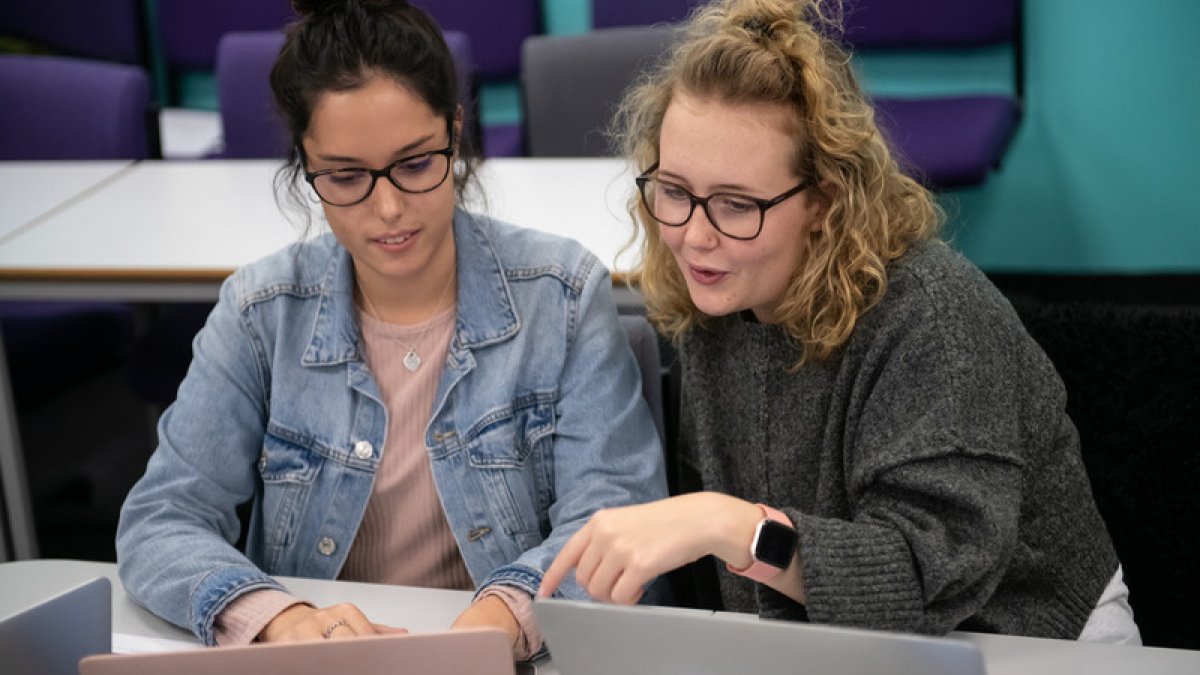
(50, 637)
(479, 652)
(596, 639)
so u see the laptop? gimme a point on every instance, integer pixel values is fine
(475, 652)
(50, 637)
(596, 639)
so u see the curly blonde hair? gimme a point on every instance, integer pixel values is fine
(784, 52)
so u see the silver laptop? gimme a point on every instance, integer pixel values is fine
(50, 637)
(474, 652)
(596, 639)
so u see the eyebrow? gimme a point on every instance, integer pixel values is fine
(399, 154)
(722, 187)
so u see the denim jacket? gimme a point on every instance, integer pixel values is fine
(537, 423)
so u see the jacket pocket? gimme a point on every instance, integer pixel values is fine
(510, 452)
(506, 437)
(287, 467)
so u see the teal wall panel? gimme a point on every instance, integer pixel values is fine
(565, 17)
(1103, 175)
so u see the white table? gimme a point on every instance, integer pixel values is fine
(584, 199)
(161, 231)
(171, 231)
(33, 189)
(425, 610)
(26, 582)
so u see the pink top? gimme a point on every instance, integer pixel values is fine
(418, 549)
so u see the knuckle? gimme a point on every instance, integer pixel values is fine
(598, 591)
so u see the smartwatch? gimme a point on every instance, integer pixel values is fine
(771, 549)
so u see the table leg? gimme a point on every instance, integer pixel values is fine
(18, 540)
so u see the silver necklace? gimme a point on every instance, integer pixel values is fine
(412, 360)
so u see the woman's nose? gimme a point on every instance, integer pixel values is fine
(387, 200)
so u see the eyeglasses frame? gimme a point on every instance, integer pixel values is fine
(385, 172)
(762, 204)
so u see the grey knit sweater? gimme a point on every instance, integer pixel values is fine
(932, 474)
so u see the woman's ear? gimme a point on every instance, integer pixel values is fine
(820, 196)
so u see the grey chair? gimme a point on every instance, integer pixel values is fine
(572, 85)
(644, 342)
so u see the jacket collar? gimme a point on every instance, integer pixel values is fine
(485, 314)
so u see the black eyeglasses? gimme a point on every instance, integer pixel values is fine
(734, 215)
(415, 174)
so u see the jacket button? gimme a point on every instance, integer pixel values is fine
(363, 450)
(326, 546)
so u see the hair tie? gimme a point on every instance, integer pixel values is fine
(759, 27)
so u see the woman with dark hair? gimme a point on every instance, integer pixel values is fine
(422, 396)
(880, 442)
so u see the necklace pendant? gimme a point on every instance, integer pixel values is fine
(412, 361)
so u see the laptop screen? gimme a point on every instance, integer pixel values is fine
(595, 639)
(50, 637)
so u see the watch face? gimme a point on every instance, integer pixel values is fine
(775, 544)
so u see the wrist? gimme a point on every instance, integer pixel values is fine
(736, 520)
(772, 548)
(493, 608)
(282, 621)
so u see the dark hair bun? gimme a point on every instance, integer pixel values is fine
(332, 7)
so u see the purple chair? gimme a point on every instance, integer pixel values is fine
(948, 142)
(252, 127)
(59, 108)
(945, 141)
(929, 24)
(496, 29)
(65, 108)
(190, 30)
(110, 30)
(612, 13)
(249, 123)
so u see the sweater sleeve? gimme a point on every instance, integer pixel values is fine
(944, 399)
(925, 550)
(243, 619)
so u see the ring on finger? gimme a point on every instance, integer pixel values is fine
(332, 627)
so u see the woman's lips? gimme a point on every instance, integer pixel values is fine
(399, 242)
(706, 276)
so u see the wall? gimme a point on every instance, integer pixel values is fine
(1103, 175)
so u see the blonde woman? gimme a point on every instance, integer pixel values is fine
(881, 443)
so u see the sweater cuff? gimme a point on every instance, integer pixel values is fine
(243, 619)
(858, 574)
(520, 603)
